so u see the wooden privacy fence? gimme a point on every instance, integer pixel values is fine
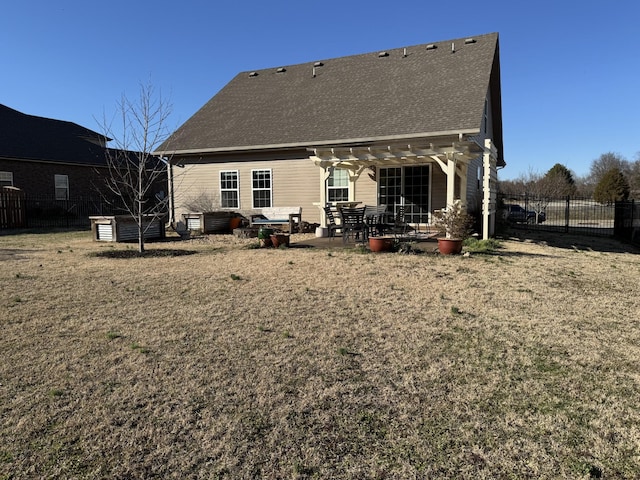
(12, 208)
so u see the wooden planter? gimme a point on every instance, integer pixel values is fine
(450, 246)
(208, 222)
(123, 228)
(381, 244)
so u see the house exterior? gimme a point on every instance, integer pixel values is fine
(47, 157)
(417, 127)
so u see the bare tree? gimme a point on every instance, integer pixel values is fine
(604, 163)
(634, 177)
(135, 177)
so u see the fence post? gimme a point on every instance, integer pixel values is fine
(633, 217)
(567, 213)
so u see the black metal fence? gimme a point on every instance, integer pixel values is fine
(44, 211)
(627, 222)
(573, 215)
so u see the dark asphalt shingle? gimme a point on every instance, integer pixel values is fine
(360, 96)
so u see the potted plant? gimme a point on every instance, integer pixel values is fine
(454, 225)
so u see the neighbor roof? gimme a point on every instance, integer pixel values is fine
(28, 137)
(415, 91)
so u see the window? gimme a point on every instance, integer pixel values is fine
(62, 187)
(6, 179)
(229, 191)
(261, 188)
(338, 185)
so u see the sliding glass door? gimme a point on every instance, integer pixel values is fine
(407, 187)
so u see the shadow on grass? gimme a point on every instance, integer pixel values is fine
(160, 253)
(571, 241)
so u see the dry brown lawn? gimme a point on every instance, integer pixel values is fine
(307, 363)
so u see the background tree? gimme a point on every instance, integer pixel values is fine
(135, 177)
(604, 163)
(634, 178)
(612, 187)
(558, 182)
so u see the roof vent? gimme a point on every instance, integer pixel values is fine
(432, 46)
(318, 64)
(383, 54)
(469, 41)
(404, 53)
(253, 74)
(281, 70)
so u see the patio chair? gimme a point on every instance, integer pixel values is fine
(376, 219)
(353, 224)
(400, 227)
(332, 225)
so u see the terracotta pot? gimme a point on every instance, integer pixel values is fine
(280, 239)
(450, 246)
(381, 244)
(234, 222)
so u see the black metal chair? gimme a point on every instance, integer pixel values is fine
(332, 225)
(376, 219)
(353, 224)
(399, 227)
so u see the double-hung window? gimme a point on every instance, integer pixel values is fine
(6, 179)
(338, 185)
(261, 188)
(62, 187)
(229, 189)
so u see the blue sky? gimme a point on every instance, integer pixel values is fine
(570, 70)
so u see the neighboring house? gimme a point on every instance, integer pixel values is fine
(47, 157)
(62, 168)
(416, 127)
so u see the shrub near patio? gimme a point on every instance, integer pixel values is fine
(307, 363)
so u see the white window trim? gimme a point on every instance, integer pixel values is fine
(253, 205)
(237, 189)
(61, 182)
(6, 179)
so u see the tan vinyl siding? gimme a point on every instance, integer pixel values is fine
(294, 183)
(474, 185)
(438, 188)
(366, 189)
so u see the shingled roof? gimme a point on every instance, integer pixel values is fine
(28, 137)
(420, 90)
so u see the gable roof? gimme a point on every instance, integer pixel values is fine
(28, 137)
(416, 91)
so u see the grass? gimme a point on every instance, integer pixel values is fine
(519, 364)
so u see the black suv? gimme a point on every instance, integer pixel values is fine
(517, 214)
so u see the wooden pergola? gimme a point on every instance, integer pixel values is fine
(452, 153)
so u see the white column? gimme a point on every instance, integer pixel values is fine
(324, 175)
(451, 180)
(489, 179)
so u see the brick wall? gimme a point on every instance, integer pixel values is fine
(37, 178)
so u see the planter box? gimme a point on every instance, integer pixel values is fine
(208, 222)
(123, 228)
